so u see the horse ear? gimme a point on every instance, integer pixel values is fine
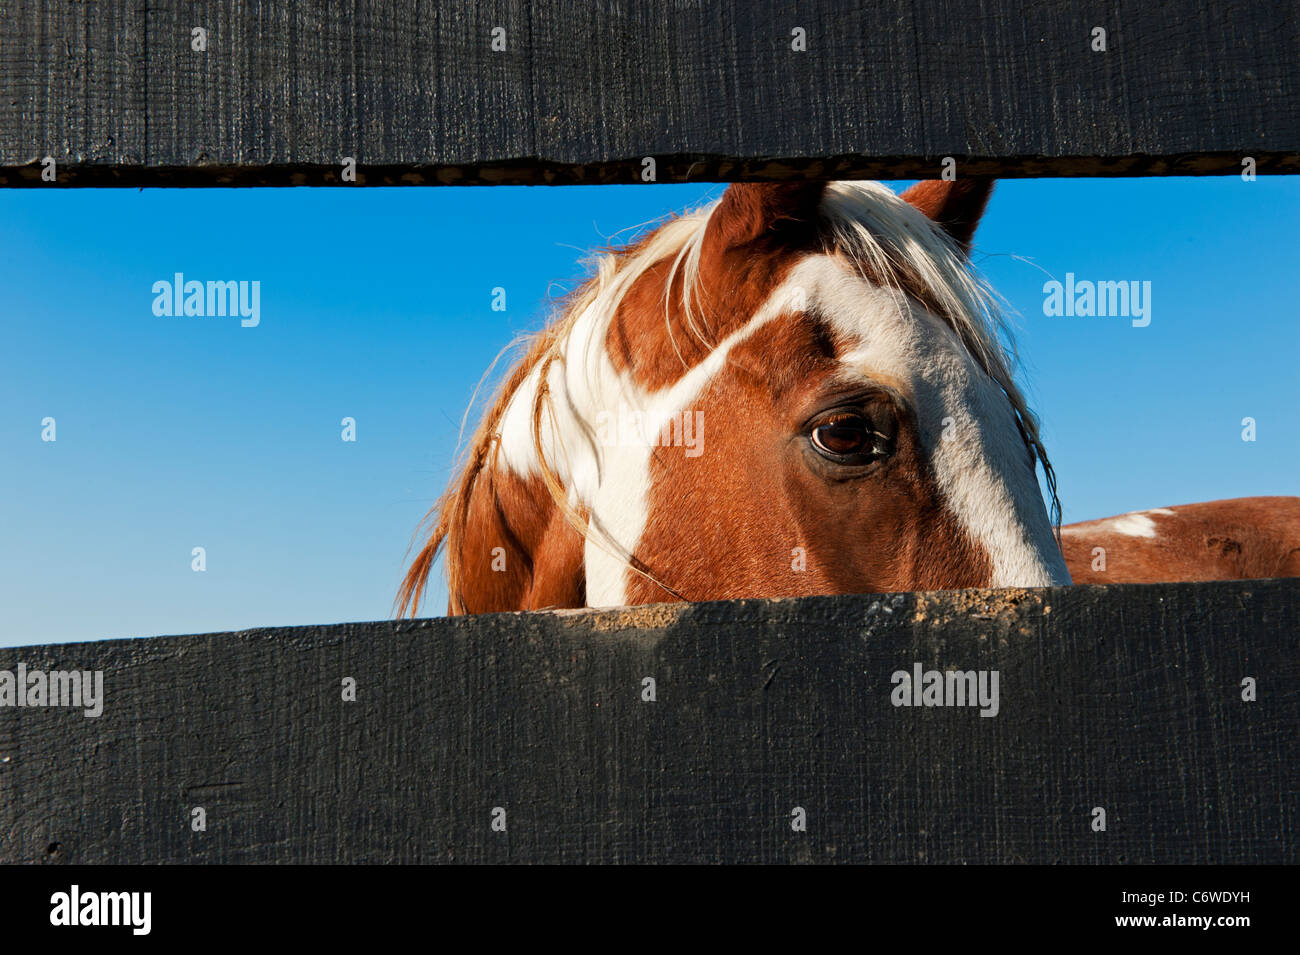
(956, 205)
(750, 210)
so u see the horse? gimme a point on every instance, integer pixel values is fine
(1239, 539)
(802, 388)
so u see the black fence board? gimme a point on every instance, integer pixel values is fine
(72, 86)
(583, 92)
(1126, 698)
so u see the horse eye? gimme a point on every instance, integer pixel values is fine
(846, 439)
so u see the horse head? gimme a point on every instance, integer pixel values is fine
(801, 389)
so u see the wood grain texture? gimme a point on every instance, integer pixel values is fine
(583, 92)
(72, 86)
(1124, 697)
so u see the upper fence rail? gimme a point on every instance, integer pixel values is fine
(552, 91)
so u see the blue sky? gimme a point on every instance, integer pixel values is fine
(376, 304)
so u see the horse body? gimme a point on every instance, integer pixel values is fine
(1243, 538)
(856, 425)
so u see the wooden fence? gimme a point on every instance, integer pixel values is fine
(770, 732)
(558, 91)
(1132, 724)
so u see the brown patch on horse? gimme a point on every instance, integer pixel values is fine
(1236, 539)
(522, 553)
(513, 549)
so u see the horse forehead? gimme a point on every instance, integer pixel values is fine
(883, 334)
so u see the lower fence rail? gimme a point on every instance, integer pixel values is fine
(1120, 724)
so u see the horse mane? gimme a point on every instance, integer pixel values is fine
(885, 238)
